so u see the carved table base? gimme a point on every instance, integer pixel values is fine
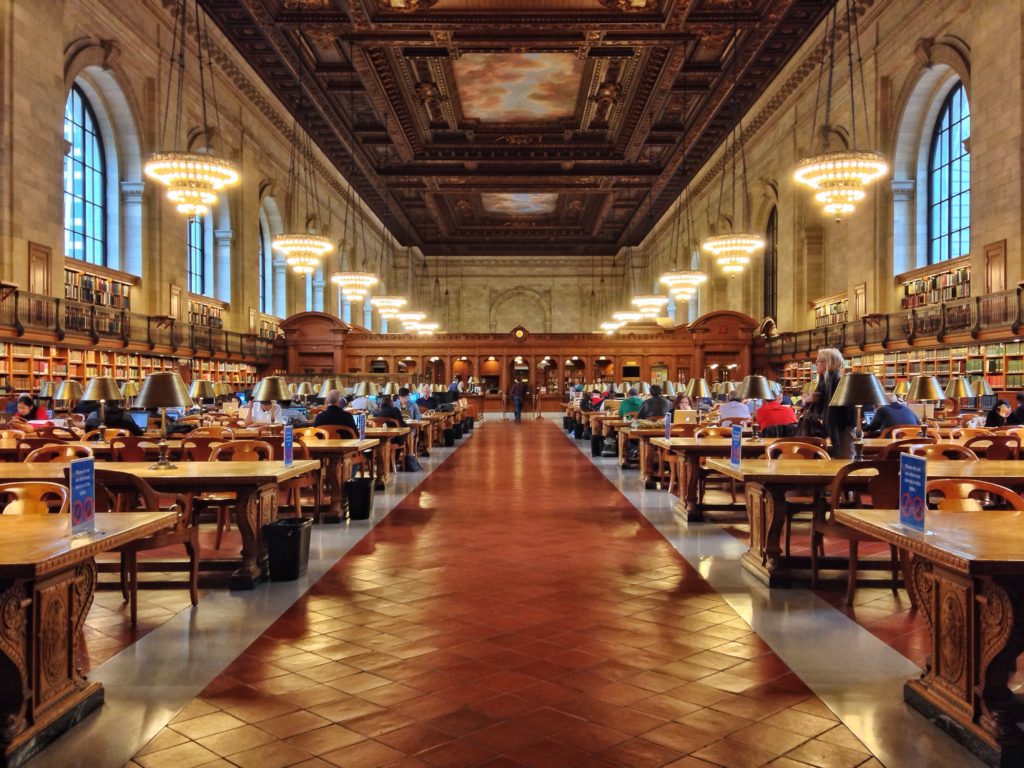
(254, 509)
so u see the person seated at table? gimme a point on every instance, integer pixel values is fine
(591, 402)
(631, 403)
(1016, 418)
(334, 415)
(655, 406)
(895, 413)
(426, 400)
(114, 417)
(681, 402)
(776, 419)
(27, 410)
(386, 409)
(264, 412)
(408, 408)
(733, 409)
(998, 415)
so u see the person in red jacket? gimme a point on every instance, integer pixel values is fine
(27, 410)
(774, 418)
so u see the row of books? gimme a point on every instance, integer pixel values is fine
(101, 291)
(945, 286)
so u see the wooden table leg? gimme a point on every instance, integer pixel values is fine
(254, 509)
(766, 513)
(623, 448)
(333, 469)
(688, 507)
(382, 461)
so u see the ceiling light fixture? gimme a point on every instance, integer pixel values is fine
(650, 305)
(388, 306)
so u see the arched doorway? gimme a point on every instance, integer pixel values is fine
(434, 371)
(546, 378)
(490, 375)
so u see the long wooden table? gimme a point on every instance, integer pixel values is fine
(767, 482)
(968, 571)
(254, 482)
(332, 453)
(47, 580)
(383, 450)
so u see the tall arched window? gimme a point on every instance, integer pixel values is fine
(771, 265)
(949, 180)
(266, 269)
(85, 185)
(196, 249)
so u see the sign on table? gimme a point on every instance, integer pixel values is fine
(734, 449)
(289, 444)
(83, 496)
(913, 474)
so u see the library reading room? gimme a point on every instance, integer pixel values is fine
(512, 383)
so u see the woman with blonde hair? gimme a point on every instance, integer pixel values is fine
(838, 420)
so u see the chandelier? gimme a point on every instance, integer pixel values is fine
(424, 329)
(354, 285)
(838, 178)
(302, 252)
(627, 317)
(683, 281)
(388, 306)
(192, 179)
(610, 327)
(650, 305)
(732, 252)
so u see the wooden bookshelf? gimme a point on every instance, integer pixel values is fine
(206, 312)
(935, 283)
(270, 327)
(99, 286)
(831, 310)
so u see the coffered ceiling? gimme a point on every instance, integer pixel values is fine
(491, 127)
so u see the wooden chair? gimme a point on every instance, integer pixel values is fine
(124, 492)
(353, 461)
(731, 422)
(233, 450)
(962, 496)
(670, 459)
(702, 480)
(963, 434)
(713, 432)
(395, 452)
(908, 432)
(104, 434)
(33, 498)
(799, 499)
(311, 433)
(851, 487)
(818, 442)
(996, 447)
(293, 488)
(58, 453)
(887, 432)
(55, 433)
(131, 449)
(895, 448)
(944, 451)
(198, 448)
(221, 432)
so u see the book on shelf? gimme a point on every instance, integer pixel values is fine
(933, 289)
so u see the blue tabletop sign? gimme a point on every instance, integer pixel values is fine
(668, 426)
(737, 439)
(83, 496)
(361, 425)
(289, 444)
(913, 473)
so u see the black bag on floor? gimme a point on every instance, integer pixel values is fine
(610, 447)
(596, 444)
(468, 424)
(457, 431)
(412, 464)
(577, 431)
(359, 493)
(449, 438)
(566, 423)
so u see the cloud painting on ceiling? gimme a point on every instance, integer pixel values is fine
(519, 203)
(506, 87)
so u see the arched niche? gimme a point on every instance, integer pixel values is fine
(519, 306)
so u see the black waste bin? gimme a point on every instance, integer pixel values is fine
(566, 423)
(467, 424)
(449, 438)
(288, 547)
(359, 493)
(577, 431)
(457, 430)
(596, 444)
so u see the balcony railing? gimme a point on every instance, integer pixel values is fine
(24, 311)
(1002, 311)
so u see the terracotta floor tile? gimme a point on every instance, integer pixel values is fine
(326, 739)
(207, 725)
(769, 738)
(236, 740)
(639, 753)
(683, 739)
(185, 755)
(591, 736)
(824, 755)
(276, 754)
(366, 754)
(734, 754)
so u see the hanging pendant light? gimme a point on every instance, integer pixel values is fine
(354, 285)
(193, 179)
(388, 306)
(610, 327)
(302, 252)
(627, 317)
(732, 252)
(683, 281)
(838, 178)
(650, 305)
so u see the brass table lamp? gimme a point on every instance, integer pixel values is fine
(101, 389)
(272, 388)
(981, 388)
(958, 388)
(202, 389)
(163, 390)
(756, 387)
(858, 389)
(925, 389)
(696, 390)
(129, 390)
(69, 392)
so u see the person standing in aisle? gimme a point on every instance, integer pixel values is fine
(837, 420)
(518, 394)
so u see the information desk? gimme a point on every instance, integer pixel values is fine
(254, 482)
(968, 571)
(46, 588)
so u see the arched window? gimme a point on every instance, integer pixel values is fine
(196, 250)
(85, 183)
(266, 268)
(771, 265)
(949, 180)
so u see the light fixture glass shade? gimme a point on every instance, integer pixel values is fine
(733, 252)
(698, 388)
(192, 180)
(859, 388)
(756, 387)
(981, 388)
(651, 304)
(68, 390)
(202, 389)
(925, 388)
(271, 388)
(838, 178)
(627, 317)
(388, 306)
(958, 387)
(683, 280)
(302, 252)
(354, 285)
(411, 318)
(164, 389)
(223, 389)
(102, 388)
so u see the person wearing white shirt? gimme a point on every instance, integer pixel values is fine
(733, 410)
(265, 412)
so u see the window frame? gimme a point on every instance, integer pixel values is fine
(770, 295)
(196, 230)
(92, 134)
(943, 131)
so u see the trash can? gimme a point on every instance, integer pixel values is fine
(287, 542)
(596, 444)
(577, 431)
(457, 430)
(449, 438)
(467, 424)
(359, 493)
(567, 424)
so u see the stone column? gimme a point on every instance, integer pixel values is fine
(222, 264)
(279, 300)
(131, 210)
(318, 290)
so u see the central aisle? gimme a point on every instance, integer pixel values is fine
(515, 609)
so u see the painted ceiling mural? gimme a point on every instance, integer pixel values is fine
(519, 203)
(506, 87)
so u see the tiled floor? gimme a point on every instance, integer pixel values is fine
(512, 611)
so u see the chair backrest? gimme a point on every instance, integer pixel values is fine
(713, 432)
(996, 447)
(795, 450)
(105, 434)
(341, 432)
(728, 422)
(312, 433)
(198, 448)
(383, 421)
(118, 491)
(213, 431)
(299, 450)
(963, 496)
(903, 433)
(243, 450)
(821, 442)
(962, 434)
(630, 415)
(33, 498)
(856, 483)
(55, 433)
(58, 453)
(895, 448)
(945, 451)
(130, 449)
(12, 434)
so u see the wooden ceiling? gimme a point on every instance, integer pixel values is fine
(504, 127)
